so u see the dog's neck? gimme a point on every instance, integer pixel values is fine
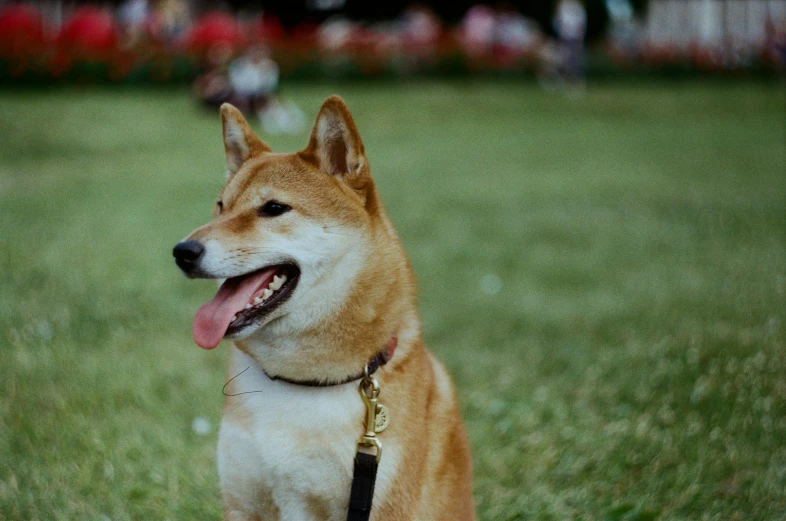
(379, 305)
(334, 354)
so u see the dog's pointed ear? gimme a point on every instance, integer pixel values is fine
(240, 142)
(335, 144)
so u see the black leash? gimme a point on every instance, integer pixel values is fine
(362, 493)
(364, 477)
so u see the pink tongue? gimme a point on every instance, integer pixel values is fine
(213, 318)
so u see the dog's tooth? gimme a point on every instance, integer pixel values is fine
(234, 317)
(266, 294)
(277, 282)
(257, 300)
(249, 306)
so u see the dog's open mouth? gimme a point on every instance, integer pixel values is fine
(243, 301)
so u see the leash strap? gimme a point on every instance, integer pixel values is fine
(362, 492)
(364, 477)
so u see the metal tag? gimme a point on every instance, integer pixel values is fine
(382, 418)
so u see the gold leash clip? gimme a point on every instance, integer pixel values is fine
(377, 416)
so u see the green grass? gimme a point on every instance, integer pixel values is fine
(632, 366)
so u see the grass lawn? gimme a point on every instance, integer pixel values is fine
(605, 278)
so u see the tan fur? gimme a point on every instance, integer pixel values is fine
(425, 472)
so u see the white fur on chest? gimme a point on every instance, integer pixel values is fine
(291, 444)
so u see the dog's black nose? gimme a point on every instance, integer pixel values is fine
(187, 253)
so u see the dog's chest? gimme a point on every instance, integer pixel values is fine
(286, 449)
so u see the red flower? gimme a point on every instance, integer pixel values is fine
(213, 29)
(90, 32)
(21, 32)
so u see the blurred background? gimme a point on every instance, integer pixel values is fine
(175, 41)
(592, 194)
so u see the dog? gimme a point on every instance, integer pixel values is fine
(316, 293)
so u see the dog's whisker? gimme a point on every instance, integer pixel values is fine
(223, 389)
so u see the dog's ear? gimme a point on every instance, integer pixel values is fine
(335, 144)
(240, 142)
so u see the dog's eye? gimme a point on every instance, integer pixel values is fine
(273, 209)
(220, 206)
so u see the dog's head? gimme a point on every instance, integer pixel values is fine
(290, 232)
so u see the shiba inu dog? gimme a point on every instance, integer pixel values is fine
(317, 289)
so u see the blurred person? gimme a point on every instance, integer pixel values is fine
(335, 33)
(622, 31)
(514, 35)
(570, 24)
(212, 85)
(419, 30)
(338, 39)
(171, 19)
(133, 17)
(253, 78)
(213, 40)
(477, 30)
(421, 26)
